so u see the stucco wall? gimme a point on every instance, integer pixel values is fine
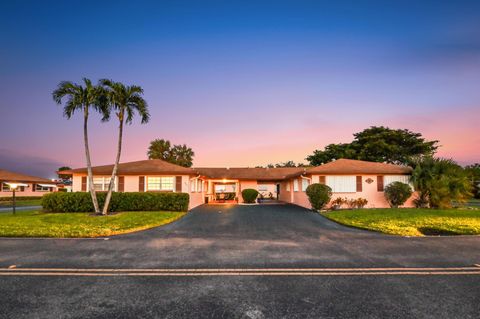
(285, 195)
(375, 198)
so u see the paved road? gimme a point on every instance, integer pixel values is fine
(9, 209)
(243, 237)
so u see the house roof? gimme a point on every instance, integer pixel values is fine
(145, 167)
(249, 173)
(349, 166)
(8, 176)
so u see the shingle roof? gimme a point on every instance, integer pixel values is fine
(348, 166)
(249, 173)
(145, 167)
(7, 176)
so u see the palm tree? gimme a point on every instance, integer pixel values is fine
(82, 98)
(125, 100)
(182, 155)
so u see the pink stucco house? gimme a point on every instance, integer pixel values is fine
(348, 179)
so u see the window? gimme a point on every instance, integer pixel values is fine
(305, 183)
(388, 179)
(199, 186)
(220, 188)
(288, 186)
(192, 185)
(342, 184)
(5, 187)
(41, 188)
(262, 187)
(165, 183)
(295, 185)
(101, 183)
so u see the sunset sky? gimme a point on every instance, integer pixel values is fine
(243, 83)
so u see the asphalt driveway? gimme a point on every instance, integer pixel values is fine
(241, 237)
(244, 236)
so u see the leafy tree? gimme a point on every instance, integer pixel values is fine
(182, 155)
(125, 101)
(473, 172)
(82, 98)
(397, 193)
(440, 181)
(178, 154)
(62, 176)
(378, 144)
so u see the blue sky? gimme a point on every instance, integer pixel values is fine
(242, 82)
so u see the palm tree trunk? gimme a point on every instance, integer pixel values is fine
(89, 163)
(115, 167)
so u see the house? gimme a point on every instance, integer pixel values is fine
(27, 185)
(349, 179)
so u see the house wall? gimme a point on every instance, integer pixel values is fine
(131, 183)
(375, 198)
(286, 195)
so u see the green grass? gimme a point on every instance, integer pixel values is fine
(39, 224)
(411, 221)
(20, 203)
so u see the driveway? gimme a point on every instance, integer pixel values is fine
(244, 236)
(241, 237)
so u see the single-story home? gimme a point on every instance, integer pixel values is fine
(26, 185)
(349, 179)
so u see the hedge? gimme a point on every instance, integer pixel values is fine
(9, 198)
(82, 202)
(249, 195)
(319, 195)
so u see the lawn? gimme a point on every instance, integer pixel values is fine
(411, 221)
(20, 203)
(39, 224)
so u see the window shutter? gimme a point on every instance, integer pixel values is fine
(380, 183)
(359, 183)
(84, 183)
(141, 183)
(322, 180)
(178, 184)
(33, 187)
(121, 183)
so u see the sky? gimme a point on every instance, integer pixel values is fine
(243, 83)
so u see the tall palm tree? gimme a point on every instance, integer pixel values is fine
(82, 98)
(125, 101)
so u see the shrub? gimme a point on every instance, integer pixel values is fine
(361, 202)
(318, 195)
(249, 195)
(81, 202)
(397, 193)
(337, 203)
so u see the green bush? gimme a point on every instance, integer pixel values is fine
(397, 193)
(319, 195)
(121, 202)
(9, 198)
(249, 195)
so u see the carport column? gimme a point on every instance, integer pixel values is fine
(237, 190)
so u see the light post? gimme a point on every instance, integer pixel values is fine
(13, 187)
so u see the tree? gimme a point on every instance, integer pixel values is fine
(178, 154)
(378, 144)
(440, 182)
(473, 172)
(62, 176)
(125, 101)
(82, 98)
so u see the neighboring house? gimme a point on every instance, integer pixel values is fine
(347, 178)
(27, 185)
